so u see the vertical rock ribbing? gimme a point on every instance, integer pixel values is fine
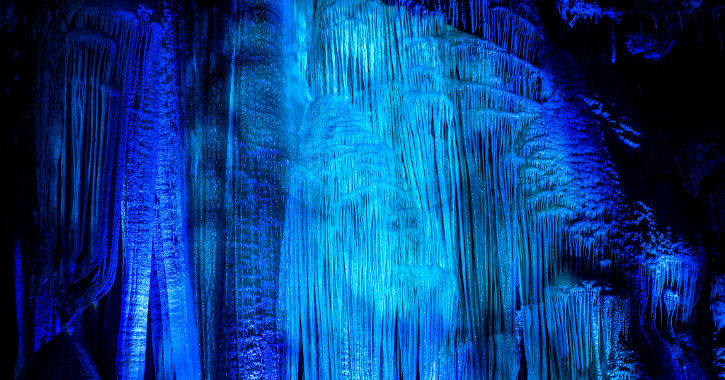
(173, 323)
(452, 106)
(87, 84)
(252, 97)
(363, 295)
(206, 118)
(78, 138)
(142, 131)
(343, 189)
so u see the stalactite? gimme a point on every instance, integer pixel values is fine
(360, 293)
(587, 321)
(511, 151)
(452, 107)
(660, 266)
(347, 189)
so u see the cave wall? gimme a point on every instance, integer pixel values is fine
(363, 189)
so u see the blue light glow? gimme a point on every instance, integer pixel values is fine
(346, 190)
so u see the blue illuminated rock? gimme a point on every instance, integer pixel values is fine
(354, 189)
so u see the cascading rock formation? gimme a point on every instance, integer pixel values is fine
(359, 189)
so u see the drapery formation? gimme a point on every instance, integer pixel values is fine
(109, 139)
(339, 189)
